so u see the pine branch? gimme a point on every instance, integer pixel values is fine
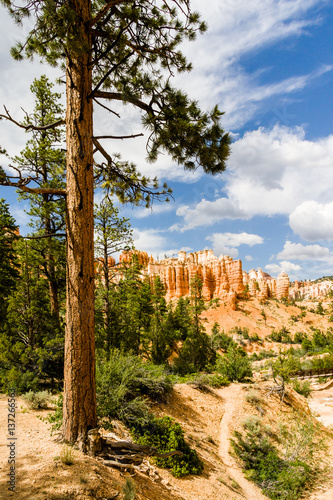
(104, 11)
(55, 235)
(122, 97)
(108, 109)
(118, 136)
(25, 188)
(29, 127)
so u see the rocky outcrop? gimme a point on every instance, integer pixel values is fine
(222, 277)
(308, 291)
(282, 286)
(141, 257)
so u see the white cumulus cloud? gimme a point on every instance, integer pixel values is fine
(285, 266)
(274, 172)
(297, 251)
(313, 220)
(227, 243)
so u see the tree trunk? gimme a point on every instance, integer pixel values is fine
(50, 265)
(79, 375)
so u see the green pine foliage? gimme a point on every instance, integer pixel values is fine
(32, 341)
(197, 351)
(9, 264)
(135, 48)
(167, 435)
(235, 364)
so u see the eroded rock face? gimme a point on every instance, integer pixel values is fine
(222, 277)
(308, 290)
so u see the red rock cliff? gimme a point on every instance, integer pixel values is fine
(222, 277)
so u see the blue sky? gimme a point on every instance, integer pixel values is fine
(269, 66)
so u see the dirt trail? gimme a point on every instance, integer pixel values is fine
(233, 398)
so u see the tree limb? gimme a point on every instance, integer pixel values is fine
(121, 97)
(29, 127)
(108, 109)
(56, 235)
(21, 186)
(118, 136)
(104, 11)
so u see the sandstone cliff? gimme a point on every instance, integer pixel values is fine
(222, 277)
(309, 291)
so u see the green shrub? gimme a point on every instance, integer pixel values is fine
(167, 435)
(280, 477)
(55, 418)
(302, 388)
(122, 381)
(21, 381)
(37, 400)
(235, 365)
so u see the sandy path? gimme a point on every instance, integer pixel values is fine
(321, 404)
(233, 398)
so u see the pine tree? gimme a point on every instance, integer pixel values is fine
(197, 350)
(112, 235)
(44, 160)
(161, 336)
(32, 342)
(122, 51)
(9, 266)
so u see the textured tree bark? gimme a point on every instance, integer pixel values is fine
(79, 375)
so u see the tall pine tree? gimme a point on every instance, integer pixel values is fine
(9, 266)
(44, 159)
(123, 51)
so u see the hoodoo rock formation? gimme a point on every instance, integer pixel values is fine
(222, 277)
(308, 291)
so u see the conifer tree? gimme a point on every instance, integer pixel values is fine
(112, 234)
(44, 160)
(123, 51)
(32, 342)
(9, 266)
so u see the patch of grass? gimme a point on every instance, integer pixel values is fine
(235, 485)
(67, 455)
(209, 380)
(253, 398)
(209, 439)
(129, 489)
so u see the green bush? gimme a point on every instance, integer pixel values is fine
(235, 365)
(302, 388)
(122, 381)
(167, 435)
(280, 478)
(21, 381)
(55, 418)
(37, 400)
